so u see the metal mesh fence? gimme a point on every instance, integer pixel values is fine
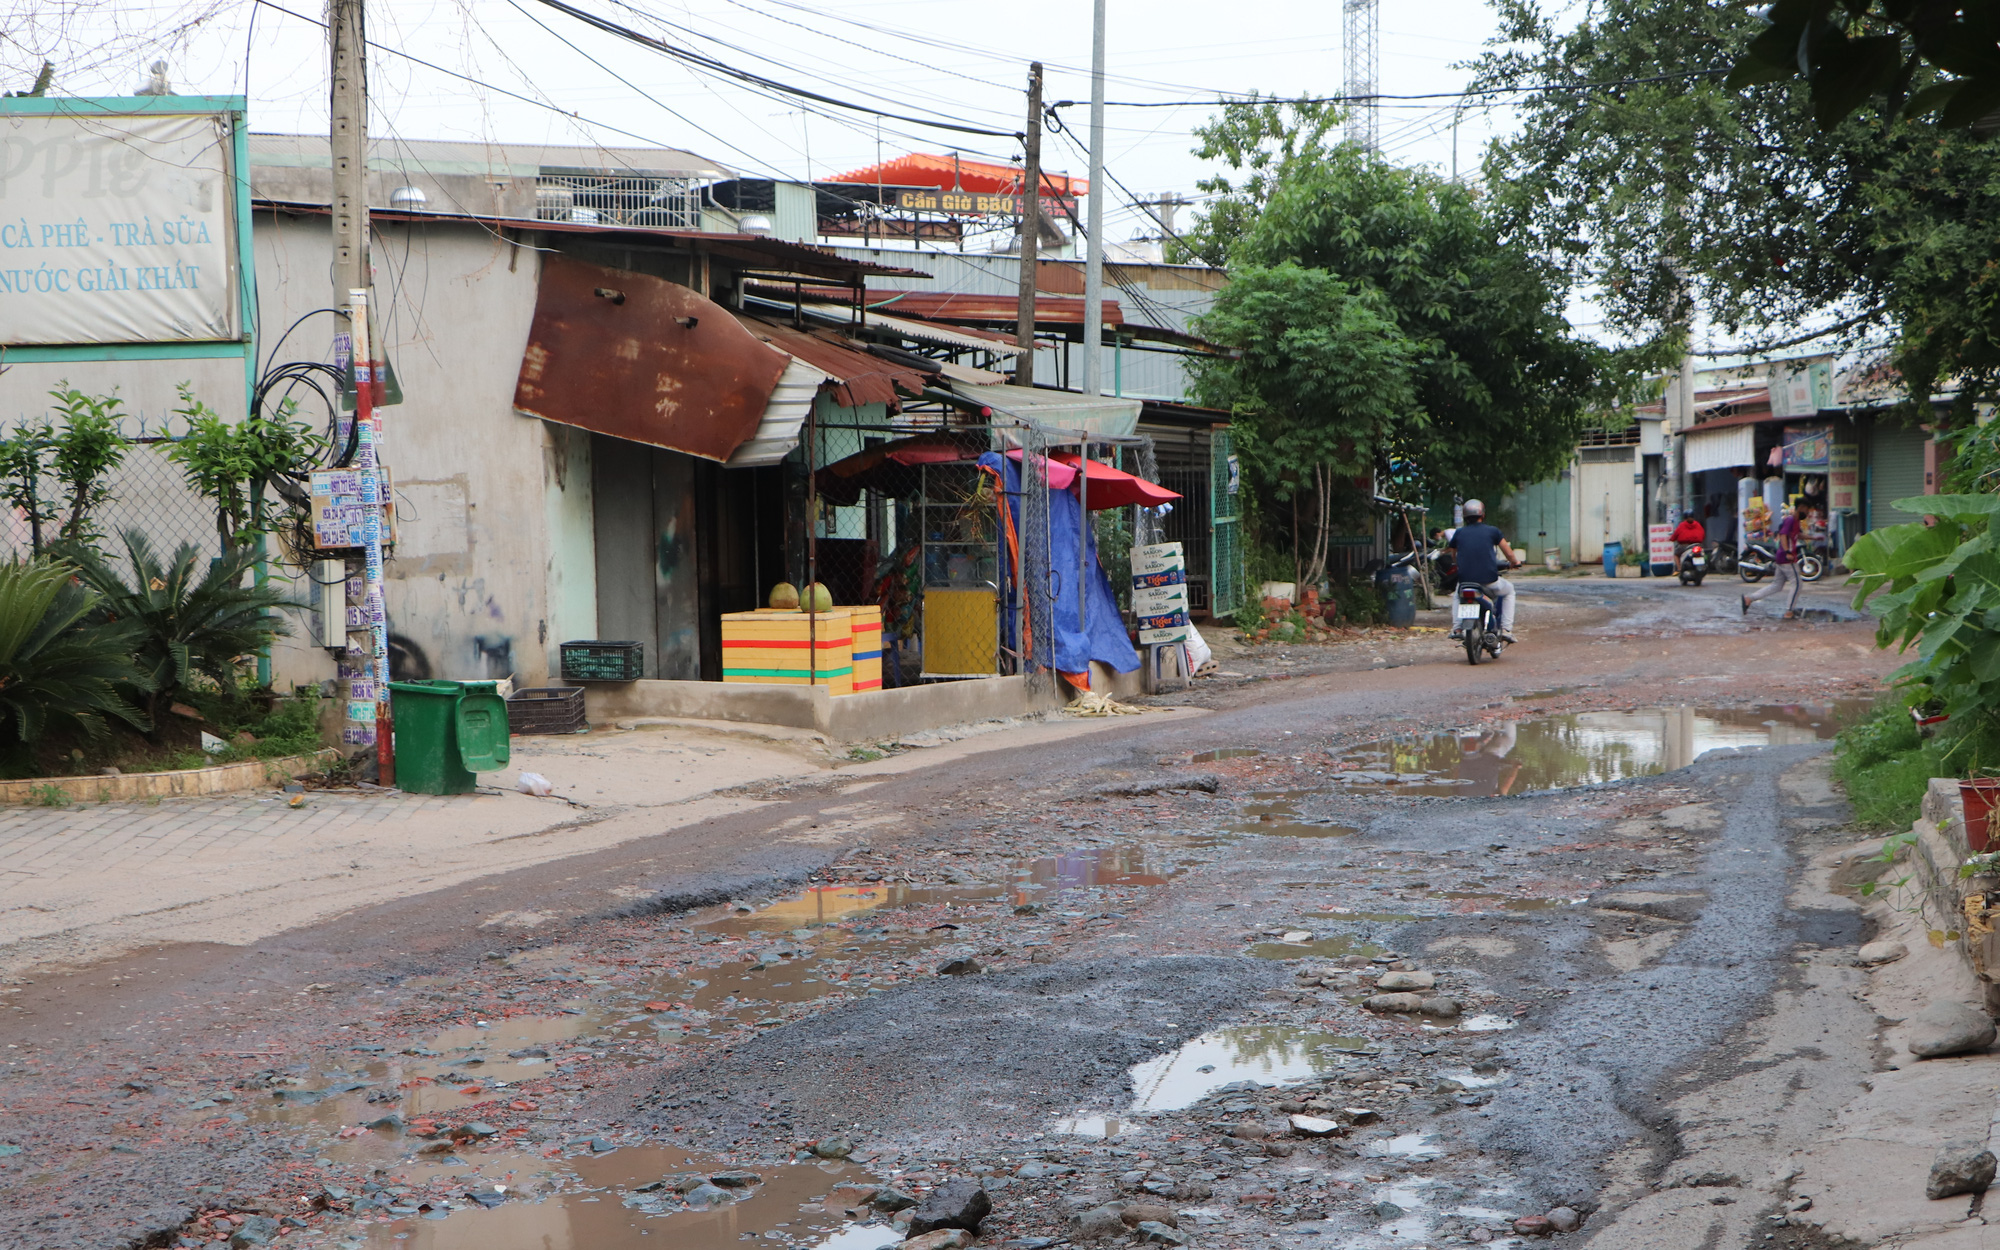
(1037, 565)
(147, 492)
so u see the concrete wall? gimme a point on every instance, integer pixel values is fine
(875, 716)
(475, 484)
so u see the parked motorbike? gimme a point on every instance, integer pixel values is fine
(1759, 560)
(1475, 621)
(1722, 557)
(1693, 565)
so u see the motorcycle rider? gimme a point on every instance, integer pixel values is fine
(1689, 533)
(1479, 547)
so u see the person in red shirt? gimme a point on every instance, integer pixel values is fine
(1687, 535)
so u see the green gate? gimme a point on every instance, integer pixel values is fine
(1226, 527)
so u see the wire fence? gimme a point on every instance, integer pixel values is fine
(146, 492)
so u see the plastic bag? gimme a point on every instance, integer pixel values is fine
(1199, 655)
(535, 784)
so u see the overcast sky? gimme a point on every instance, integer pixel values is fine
(961, 59)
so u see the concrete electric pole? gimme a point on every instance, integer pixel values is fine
(1031, 231)
(1093, 270)
(364, 680)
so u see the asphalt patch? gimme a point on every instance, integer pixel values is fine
(994, 1053)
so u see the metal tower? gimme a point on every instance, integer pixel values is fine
(1362, 45)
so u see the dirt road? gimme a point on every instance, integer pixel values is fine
(1055, 967)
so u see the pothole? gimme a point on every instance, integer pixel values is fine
(1246, 1055)
(1581, 748)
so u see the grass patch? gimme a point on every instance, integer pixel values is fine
(1886, 765)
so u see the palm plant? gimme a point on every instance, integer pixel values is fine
(194, 615)
(56, 667)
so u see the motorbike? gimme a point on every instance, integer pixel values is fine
(1759, 560)
(1475, 621)
(1693, 565)
(1722, 557)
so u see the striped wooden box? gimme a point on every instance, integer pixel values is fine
(867, 647)
(771, 647)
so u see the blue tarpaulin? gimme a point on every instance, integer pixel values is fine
(1102, 637)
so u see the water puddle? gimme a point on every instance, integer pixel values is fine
(1324, 948)
(1266, 1054)
(1273, 814)
(1582, 748)
(1417, 1147)
(1503, 902)
(665, 1196)
(1487, 1024)
(1225, 753)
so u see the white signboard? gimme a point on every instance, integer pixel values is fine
(116, 229)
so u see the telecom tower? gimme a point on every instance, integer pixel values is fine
(1362, 40)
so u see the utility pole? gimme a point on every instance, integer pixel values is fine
(1031, 232)
(364, 684)
(1093, 269)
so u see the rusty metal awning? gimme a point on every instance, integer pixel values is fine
(857, 378)
(640, 358)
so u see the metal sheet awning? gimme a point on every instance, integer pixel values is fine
(784, 417)
(1062, 410)
(943, 336)
(858, 378)
(640, 358)
(1725, 448)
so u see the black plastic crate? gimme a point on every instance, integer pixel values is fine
(597, 660)
(546, 710)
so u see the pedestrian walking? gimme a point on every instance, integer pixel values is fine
(1786, 576)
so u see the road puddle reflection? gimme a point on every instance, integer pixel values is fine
(1267, 1054)
(1274, 814)
(638, 1196)
(1582, 748)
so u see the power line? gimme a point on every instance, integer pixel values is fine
(1432, 95)
(742, 75)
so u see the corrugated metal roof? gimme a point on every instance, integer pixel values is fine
(784, 416)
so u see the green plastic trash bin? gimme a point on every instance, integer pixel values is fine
(447, 732)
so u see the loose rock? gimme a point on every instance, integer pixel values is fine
(1534, 1226)
(258, 1230)
(1314, 1126)
(1249, 1130)
(1155, 1233)
(1137, 1213)
(1565, 1219)
(1881, 953)
(706, 1195)
(1098, 1223)
(1407, 981)
(954, 1204)
(1961, 1167)
(959, 968)
(1948, 1028)
(1395, 1002)
(1439, 1007)
(833, 1148)
(892, 1200)
(941, 1239)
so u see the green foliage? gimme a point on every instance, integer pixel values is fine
(49, 795)
(1682, 198)
(1416, 335)
(1852, 51)
(59, 669)
(230, 464)
(1936, 589)
(1974, 465)
(1886, 765)
(193, 615)
(85, 451)
(1359, 603)
(21, 454)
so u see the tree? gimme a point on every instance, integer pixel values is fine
(1849, 51)
(1382, 319)
(57, 667)
(1672, 197)
(230, 465)
(1323, 380)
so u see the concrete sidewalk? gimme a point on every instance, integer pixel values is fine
(83, 883)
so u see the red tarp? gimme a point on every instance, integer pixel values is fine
(1109, 487)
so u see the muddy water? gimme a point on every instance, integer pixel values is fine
(594, 1202)
(1274, 813)
(1583, 748)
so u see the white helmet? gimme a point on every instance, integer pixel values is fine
(1473, 508)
